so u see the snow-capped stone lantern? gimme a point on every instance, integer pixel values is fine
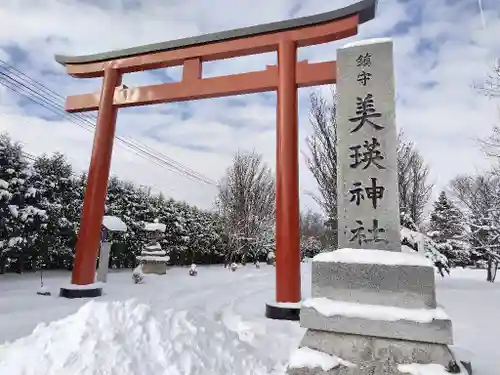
(193, 271)
(153, 260)
(111, 226)
(271, 258)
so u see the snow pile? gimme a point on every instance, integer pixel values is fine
(153, 227)
(367, 42)
(328, 307)
(155, 252)
(130, 338)
(154, 247)
(310, 358)
(153, 258)
(114, 224)
(246, 331)
(362, 256)
(419, 369)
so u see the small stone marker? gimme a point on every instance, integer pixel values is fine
(368, 204)
(110, 224)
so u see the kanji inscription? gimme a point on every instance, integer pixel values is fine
(368, 154)
(374, 235)
(364, 77)
(366, 142)
(373, 192)
(365, 111)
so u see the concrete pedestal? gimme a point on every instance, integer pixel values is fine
(375, 316)
(371, 355)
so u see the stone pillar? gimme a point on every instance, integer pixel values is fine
(102, 270)
(368, 199)
(373, 308)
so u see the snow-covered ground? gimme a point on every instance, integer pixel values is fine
(177, 324)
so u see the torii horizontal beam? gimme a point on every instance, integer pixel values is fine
(192, 87)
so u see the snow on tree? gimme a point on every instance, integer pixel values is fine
(246, 203)
(41, 205)
(413, 239)
(51, 239)
(480, 197)
(447, 231)
(16, 195)
(309, 247)
(315, 236)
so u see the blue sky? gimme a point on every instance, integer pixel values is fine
(441, 49)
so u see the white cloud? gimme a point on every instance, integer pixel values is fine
(444, 121)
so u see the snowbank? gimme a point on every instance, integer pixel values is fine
(130, 338)
(390, 258)
(310, 358)
(328, 307)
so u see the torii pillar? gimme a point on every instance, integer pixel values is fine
(283, 37)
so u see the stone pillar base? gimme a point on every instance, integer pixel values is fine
(372, 355)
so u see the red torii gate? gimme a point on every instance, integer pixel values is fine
(284, 37)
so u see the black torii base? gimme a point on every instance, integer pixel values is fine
(80, 293)
(283, 311)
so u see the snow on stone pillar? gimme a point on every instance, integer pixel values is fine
(368, 199)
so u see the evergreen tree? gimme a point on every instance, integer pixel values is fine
(51, 238)
(447, 230)
(41, 205)
(412, 239)
(16, 195)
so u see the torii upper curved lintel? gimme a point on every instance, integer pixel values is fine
(364, 11)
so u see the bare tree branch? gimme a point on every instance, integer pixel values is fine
(491, 85)
(246, 202)
(491, 88)
(480, 197)
(322, 156)
(413, 174)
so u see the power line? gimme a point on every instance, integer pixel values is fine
(38, 93)
(20, 87)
